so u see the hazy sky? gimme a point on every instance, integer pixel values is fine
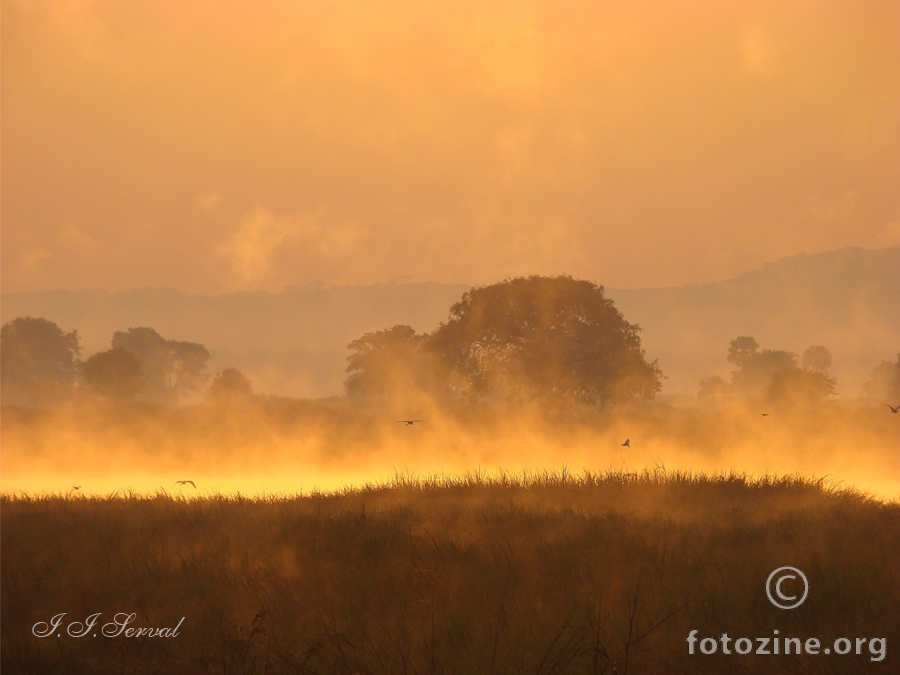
(216, 146)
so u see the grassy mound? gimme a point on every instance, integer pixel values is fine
(552, 573)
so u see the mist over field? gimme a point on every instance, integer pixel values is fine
(282, 447)
(543, 398)
(483, 337)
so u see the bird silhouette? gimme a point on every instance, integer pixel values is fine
(893, 409)
(186, 482)
(627, 443)
(764, 414)
(408, 423)
(76, 487)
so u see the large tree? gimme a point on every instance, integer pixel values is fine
(757, 368)
(800, 386)
(188, 365)
(543, 338)
(173, 369)
(114, 374)
(38, 360)
(741, 350)
(884, 383)
(817, 358)
(388, 362)
(230, 386)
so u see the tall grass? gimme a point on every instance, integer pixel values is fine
(548, 573)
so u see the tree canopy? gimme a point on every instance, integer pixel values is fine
(757, 368)
(230, 386)
(773, 374)
(173, 369)
(884, 382)
(525, 339)
(114, 374)
(741, 350)
(817, 358)
(553, 338)
(392, 361)
(37, 359)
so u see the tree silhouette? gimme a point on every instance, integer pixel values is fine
(114, 374)
(757, 368)
(775, 375)
(38, 361)
(187, 367)
(884, 383)
(391, 361)
(712, 388)
(152, 352)
(172, 369)
(800, 386)
(230, 386)
(817, 358)
(542, 338)
(741, 350)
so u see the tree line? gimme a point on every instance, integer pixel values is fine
(524, 340)
(527, 340)
(781, 376)
(40, 363)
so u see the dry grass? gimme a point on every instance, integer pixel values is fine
(541, 574)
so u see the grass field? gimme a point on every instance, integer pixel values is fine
(552, 573)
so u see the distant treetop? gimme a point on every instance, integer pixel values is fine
(38, 360)
(551, 339)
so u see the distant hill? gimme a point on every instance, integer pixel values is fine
(294, 342)
(847, 300)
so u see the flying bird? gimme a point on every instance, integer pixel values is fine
(764, 414)
(76, 487)
(408, 423)
(627, 443)
(186, 482)
(893, 409)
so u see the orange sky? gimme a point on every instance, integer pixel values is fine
(217, 146)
